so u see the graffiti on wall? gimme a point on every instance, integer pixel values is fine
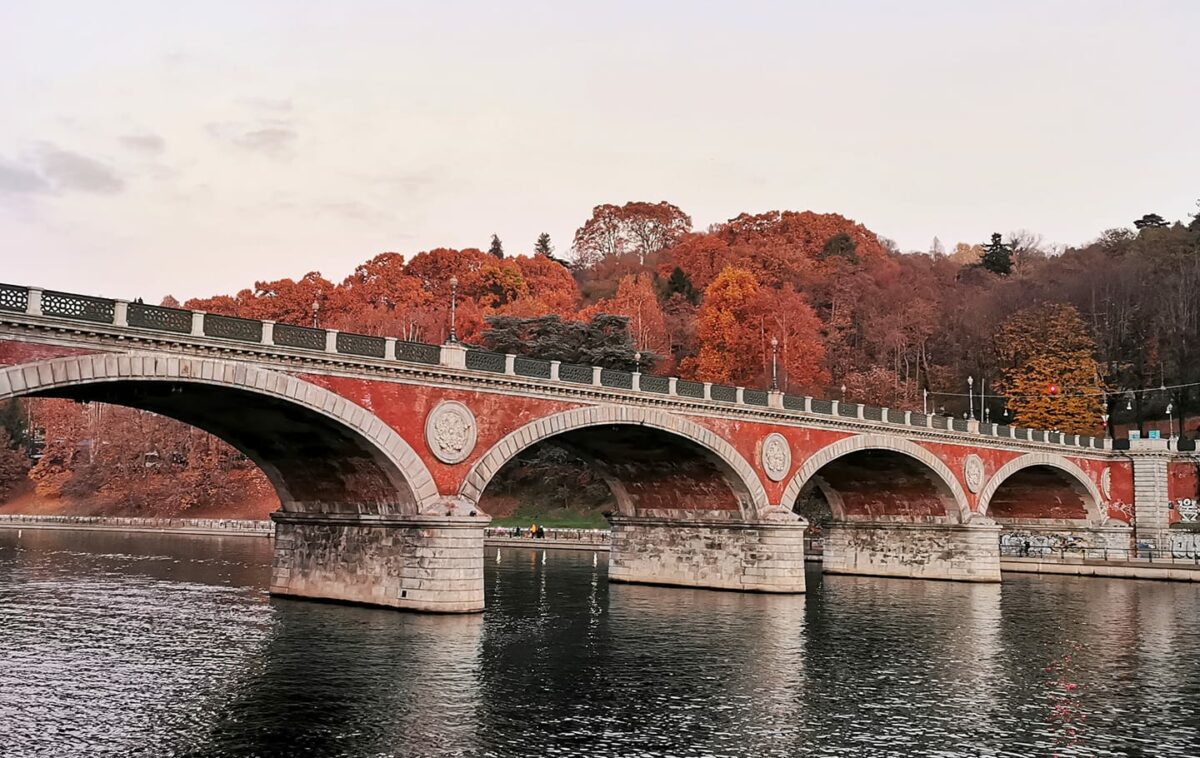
(1188, 510)
(1039, 543)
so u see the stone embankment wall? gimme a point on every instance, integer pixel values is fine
(239, 527)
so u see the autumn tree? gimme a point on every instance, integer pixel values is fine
(997, 256)
(639, 229)
(1050, 375)
(637, 301)
(725, 328)
(14, 463)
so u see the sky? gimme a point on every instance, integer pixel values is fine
(151, 148)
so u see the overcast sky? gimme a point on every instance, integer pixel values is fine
(152, 148)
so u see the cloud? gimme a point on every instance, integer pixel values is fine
(146, 143)
(18, 179)
(51, 169)
(71, 171)
(275, 141)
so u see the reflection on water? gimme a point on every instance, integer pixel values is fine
(168, 645)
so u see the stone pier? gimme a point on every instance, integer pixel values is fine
(418, 563)
(765, 556)
(961, 552)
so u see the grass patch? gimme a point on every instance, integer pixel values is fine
(560, 518)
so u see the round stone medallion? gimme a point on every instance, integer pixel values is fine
(973, 472)
(1106, 483)
(450, 431)
(776, 456)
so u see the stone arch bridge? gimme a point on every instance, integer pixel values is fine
(381, 449)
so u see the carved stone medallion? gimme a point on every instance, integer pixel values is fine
(450, 431)
(973, 472)
(1106, 483)
(776, 456)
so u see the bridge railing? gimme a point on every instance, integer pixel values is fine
(176, 323)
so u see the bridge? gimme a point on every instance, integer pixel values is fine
(380, 450)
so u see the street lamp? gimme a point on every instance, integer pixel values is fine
(637, 359)
(971, 397)
(453, 307)
(1104, 420)
(1170, 422)
(316, 306)
(774, 365)
(843, 392)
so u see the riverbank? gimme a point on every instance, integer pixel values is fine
(563, 539)
(1177, 570)
(227, 527)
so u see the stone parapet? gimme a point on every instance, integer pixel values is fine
(766, 556)
(960, 552)
(418, 563)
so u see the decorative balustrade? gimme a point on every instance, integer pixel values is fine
(54, 304)
(658, 384)
(754, 397)
(482, 360)
(82, 307)
(14, 298)
(722, 394)
(569, 372)
(232, 328)
(618, 379)
(159, 317)
(361, 344)
(418, 352)
(304, 337)
(531, 367)
(689, 389)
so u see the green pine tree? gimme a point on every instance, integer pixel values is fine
(997, 256)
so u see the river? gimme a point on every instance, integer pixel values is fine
(167, 645)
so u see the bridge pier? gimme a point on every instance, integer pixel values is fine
(418, 563)
(961, 552)
(760, 556)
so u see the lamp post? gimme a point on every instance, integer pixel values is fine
(925, 401)
(637, 360)
(1170, 422)
(453, 308)
(1104, 420)
(971, 397)
(843, 392)
(774, 365)
(316, 306)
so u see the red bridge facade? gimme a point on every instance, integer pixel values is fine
(381, 450)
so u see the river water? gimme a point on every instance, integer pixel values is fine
(164, 645)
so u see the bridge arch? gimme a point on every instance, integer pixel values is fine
(900, 452)
(321, 452)
(736, 470)
(1052, 476)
